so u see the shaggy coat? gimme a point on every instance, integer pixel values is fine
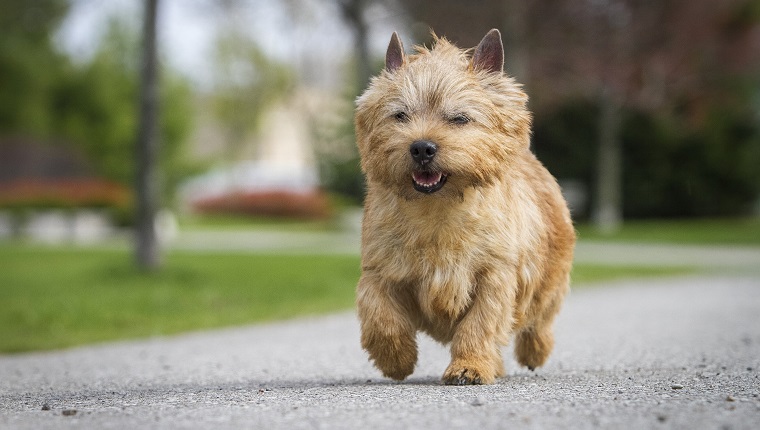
(471, 243)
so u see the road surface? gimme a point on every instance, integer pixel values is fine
(677, 353)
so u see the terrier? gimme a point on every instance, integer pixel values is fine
(466, 235)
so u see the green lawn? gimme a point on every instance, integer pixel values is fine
(51, 298)
(738, 231)
(727, 231)
(59, 297)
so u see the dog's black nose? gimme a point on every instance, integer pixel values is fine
(423, 151)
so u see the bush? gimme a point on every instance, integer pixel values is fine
(670, 169)
(68, 194)
(312, 205)
(40, 194)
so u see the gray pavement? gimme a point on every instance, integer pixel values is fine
(676, 353)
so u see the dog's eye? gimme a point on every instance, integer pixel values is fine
(401, 116)
(459, 119)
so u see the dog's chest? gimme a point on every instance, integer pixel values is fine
(441, 274)
(436, 254)
(444, 290)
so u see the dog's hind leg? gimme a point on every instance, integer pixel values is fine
(535, 341)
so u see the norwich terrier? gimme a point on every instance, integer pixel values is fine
(466, 235)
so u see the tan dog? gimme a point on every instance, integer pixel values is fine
(466, 236)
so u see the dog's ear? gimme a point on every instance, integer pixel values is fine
(489, 55)
(394, 57)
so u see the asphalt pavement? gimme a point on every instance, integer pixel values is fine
(672, 353)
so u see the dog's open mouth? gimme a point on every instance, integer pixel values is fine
(428, 182)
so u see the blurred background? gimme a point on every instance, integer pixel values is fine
(648, 113)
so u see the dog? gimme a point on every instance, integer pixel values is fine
(466, 236)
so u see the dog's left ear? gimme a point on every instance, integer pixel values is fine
(489, 55)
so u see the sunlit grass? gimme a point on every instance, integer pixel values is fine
(596, 274)
(739, 231)
(60, 297)
(726, 231)
(52, 298)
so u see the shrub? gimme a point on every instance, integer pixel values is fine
(670, 169)
(71, 193)
(30, 194)
(314, 204)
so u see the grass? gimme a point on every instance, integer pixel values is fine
(727, 231)
(588, 274)
(54, 297)
(736, 231)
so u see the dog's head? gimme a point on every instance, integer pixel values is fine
(441, 120)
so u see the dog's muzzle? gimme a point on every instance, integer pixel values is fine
(425, 179)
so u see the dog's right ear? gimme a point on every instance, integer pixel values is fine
(394, 57)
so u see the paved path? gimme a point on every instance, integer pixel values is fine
(679, 353)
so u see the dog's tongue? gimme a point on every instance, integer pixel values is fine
(427, 178)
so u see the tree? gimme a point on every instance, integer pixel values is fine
(29, 65)
(689, 67)
(146, 183)
(354, 14)
(670, 59)
(611, 20)
(90, 105)
(94, 108)
(247, 82)
(679, 61)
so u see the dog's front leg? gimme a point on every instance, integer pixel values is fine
(476, 345)
(388, 333)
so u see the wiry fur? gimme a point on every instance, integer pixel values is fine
(486, 257)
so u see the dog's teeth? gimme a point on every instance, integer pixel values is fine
(427, 180)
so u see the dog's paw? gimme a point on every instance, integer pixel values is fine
(533, 348)
(394, 356)
(397, 372)
(466, 375)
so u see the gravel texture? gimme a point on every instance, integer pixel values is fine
(678, 353)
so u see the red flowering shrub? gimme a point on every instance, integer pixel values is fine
(268, 203)
(63, 194)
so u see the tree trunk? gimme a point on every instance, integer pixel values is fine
(516, 31)
(353, 13)
(147, 251)
(608, 211)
